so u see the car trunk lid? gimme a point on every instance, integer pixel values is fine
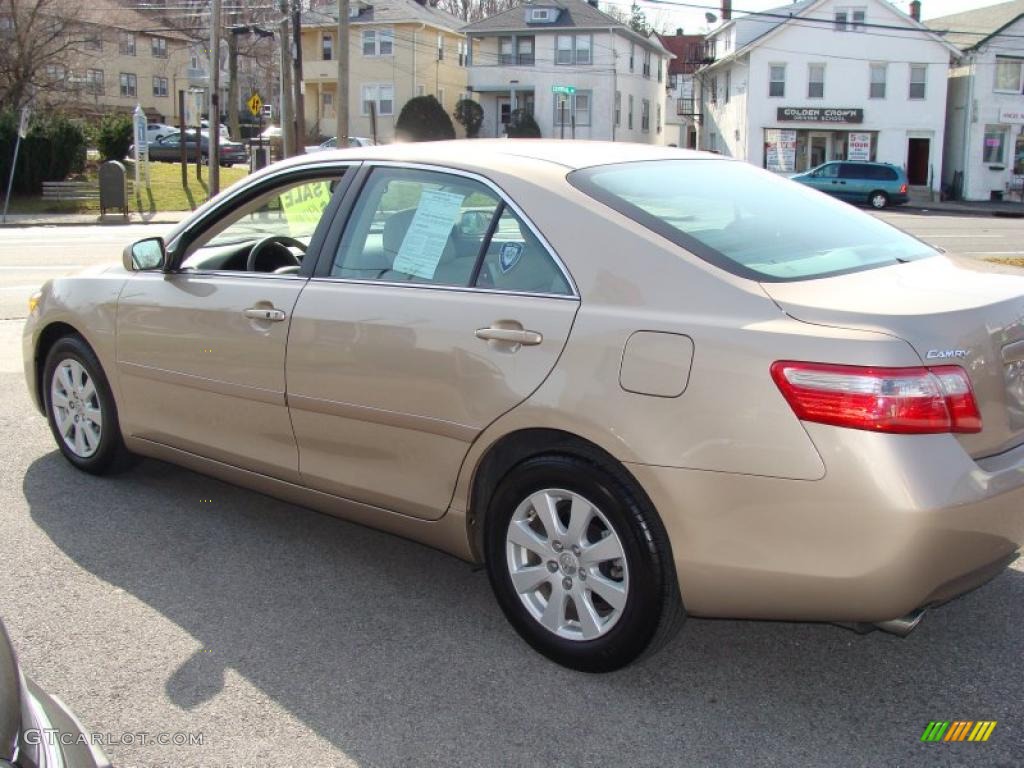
(951, 311)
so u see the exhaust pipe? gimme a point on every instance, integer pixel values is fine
(902, 626)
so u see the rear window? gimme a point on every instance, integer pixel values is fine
(748, 221)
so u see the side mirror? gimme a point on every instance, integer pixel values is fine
(145, 255)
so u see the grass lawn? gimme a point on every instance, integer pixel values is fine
(1012, 262)
(164, 192)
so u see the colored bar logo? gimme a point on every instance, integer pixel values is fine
(958, 730)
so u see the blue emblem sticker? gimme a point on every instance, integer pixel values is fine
(509, 256)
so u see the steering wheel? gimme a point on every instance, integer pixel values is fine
(277, 251)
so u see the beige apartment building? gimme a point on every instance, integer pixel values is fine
(123, 58)
(397, 49)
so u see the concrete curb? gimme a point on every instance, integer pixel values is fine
(958, 210)
(73, 220)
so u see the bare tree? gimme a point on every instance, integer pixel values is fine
(474, 10)
(37, 39)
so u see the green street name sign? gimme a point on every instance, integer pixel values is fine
(568, 89)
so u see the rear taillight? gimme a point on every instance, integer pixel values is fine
(902, 400)
(903, 189)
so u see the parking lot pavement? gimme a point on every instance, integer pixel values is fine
(161, 601)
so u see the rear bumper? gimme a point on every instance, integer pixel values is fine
(897, 523)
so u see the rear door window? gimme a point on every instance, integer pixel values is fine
(429, 227)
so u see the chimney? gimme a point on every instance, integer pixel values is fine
(726, 10)
(915, 10)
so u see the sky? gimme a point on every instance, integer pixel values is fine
(692, 19)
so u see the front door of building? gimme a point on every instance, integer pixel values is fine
(504, 115)
(918, 151)
(818, 149)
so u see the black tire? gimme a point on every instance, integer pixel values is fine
(653, 610)
(110, 453)
(878, 200)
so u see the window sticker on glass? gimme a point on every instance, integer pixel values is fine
(304, 205)
(509, 256)
(428, 234)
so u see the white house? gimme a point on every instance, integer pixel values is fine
(823, 80)
(519, 59)
(984, 151)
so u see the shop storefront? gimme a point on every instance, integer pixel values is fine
(831, 134)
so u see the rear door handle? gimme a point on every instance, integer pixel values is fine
(262, 313)
(510, 336)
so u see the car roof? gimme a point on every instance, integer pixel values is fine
(482, 152)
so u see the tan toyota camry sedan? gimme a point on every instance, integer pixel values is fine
(637, 383)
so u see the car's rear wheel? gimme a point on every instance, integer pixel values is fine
(580, 563)
(80, 407)
(878, 199)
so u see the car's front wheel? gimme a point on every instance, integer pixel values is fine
(580, 563)
(878, 199)
(80, 407)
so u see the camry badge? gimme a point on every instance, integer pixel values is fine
(946, 354)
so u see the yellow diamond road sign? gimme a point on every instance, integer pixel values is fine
(255, 104)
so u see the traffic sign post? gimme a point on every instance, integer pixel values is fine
(255, 105)
(565, 91)
(141, 144)
(22, 133)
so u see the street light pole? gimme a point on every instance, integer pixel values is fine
(214, 112)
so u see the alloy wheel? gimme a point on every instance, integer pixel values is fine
(76, 408)
(567, 564)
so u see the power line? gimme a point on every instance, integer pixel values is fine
(817, 20)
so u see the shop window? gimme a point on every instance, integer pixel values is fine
(994, 151)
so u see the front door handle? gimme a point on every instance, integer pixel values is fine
(263, 313)
(510, 336)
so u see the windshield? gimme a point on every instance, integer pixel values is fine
(748, 221)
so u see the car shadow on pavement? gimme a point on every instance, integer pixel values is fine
(398, 654)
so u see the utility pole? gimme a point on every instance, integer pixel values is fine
(214, 118)
(286, 81)
(341, 95)
(300, 108)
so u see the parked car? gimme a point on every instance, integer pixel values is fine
(204, 126)
(168, 150)
(37, 729)
(353, 141)
(157, 131)
(634, 382)
(874, 184)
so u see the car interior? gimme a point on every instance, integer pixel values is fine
(408, 226)
(395, 214)
(269, 234)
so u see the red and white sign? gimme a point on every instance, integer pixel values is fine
(858, 146)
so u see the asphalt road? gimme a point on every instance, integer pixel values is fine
(161, 601)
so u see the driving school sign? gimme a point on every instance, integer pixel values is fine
(819, 115)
